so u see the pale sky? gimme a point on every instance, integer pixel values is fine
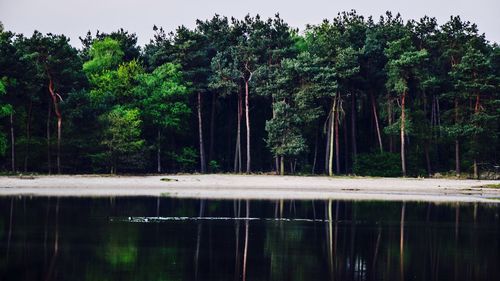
(75, 17)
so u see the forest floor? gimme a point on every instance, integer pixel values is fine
(225, 186)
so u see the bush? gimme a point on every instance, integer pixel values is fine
(213, 166)
(186, 160)
(378, 164)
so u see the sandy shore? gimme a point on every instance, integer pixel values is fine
(255, 187)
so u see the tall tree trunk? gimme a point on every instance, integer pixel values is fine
(212, 128)
(389, 121)
(276, 165)
(346, 149)
(403, 121)
(49, 157)
(477, 106)
(353, 127)
(327, 146)
(282, 165)
(315, 154)
(237, 153)
(337, 144)
(58, 159)
(55, 100)
(158, 151)
(12, 143)
(28, 136)
(247, 115)
(377, 126)
(332, 130)
(457, 143)
(203, 166)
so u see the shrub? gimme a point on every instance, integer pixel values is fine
(378, 164)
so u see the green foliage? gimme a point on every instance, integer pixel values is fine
(3, 143)
(163, 96)
(116, 86)
(186, 159)
(214, 166)
(403, 60)
(122, 135)
(119, 102)
(4, 110)
(105, 54)
(284, 136)
(377, 164)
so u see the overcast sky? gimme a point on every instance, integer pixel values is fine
(75, 17)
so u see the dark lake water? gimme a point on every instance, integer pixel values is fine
(171, 239)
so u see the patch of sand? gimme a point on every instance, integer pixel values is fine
(254, 187)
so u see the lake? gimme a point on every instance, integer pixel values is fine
(150, 238)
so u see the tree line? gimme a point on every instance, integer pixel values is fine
(351, 95)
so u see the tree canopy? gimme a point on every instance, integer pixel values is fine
(255, 94)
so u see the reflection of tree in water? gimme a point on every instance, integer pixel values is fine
(74, 240)
(287, 249)
(120, 250)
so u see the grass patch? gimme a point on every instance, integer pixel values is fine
(494, 185)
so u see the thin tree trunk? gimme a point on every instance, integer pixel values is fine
(332, 130)
(203, 166)
(330, 145)
(282, 165)
(49, 156)
(212, 128)
(327, 146)
(346, 149)
(237, 152)
(476, 111)
(315, 154)
(337, 144)
(377, 126)
(476, 170)
(389, 121)
(276, 165)
(457, 143)
(28, 136)
(438, 117)
(59, 131)
(12, 143)
(158, 151)
(55, 97)
(403, 160)
(353, 127)
(247, 115)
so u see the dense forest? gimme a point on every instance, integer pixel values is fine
(352, 95)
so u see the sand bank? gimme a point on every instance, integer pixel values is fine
(254, 187)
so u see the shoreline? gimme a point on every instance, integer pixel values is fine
(265, 187)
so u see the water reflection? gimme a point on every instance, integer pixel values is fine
(168, 239)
